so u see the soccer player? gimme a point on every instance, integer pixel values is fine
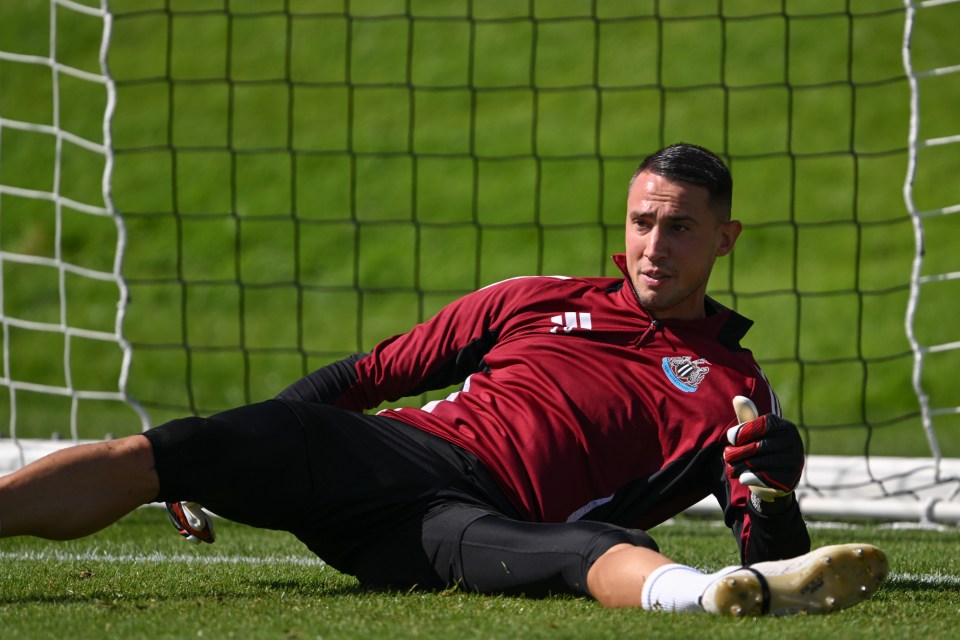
(590, 410)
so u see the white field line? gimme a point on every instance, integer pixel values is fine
(827, 524)
(158, 557)
(934, 579)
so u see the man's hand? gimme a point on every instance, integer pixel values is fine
(765, 452)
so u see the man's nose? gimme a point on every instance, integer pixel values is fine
(656, 246)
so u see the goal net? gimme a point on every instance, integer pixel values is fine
(202, 200)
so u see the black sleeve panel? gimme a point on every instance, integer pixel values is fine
(469, 360)
(775, 536)
(776, 533)
(326, 384)
(648, 501)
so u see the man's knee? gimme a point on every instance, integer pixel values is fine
(640, 538)
(608, 536)
(174, 433)
(179, 449)
(249, 464)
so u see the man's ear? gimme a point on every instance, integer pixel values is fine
(727, 236)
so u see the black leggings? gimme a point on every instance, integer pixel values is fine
(500, 555)
(374, 498)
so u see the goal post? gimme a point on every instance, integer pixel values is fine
(64, 297)
(202, 200)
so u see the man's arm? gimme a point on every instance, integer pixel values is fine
(436, 354)
(329, 384)
(777, 530)
(325, 385)
(763, 462)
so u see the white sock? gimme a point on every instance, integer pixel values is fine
(677, 587)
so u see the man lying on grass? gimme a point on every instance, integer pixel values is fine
(590, 410)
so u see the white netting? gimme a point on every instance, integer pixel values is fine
(33, 321)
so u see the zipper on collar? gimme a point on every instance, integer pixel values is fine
(654, 326)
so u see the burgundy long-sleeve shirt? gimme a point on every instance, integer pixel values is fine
(579, 402)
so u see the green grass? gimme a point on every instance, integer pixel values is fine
(188, 591)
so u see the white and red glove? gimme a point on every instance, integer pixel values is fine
(191, 521)
(765, 452)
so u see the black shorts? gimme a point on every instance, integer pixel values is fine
(374, 498)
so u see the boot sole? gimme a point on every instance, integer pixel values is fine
(825, 580)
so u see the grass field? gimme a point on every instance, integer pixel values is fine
(137, 579)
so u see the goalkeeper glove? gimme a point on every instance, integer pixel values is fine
(765, 452)
(191, 521)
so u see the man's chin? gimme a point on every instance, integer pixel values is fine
(662, 306)
(652, 301)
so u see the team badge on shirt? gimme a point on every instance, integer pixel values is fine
(684, 372)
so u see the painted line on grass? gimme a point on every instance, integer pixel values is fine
(933, 579)
(831, 524)
(158, 557)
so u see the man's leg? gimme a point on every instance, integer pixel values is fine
(496, 554)
(77, 491)
(248, 464)
(621, 567)
(617, 577)
(821, 581)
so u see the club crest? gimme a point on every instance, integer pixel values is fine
(684, 372)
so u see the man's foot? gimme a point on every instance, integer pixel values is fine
(193, 523)
(824, 580)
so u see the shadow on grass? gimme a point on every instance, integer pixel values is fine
(310, 588)
(248, 591)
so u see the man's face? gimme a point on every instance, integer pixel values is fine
(673, 238)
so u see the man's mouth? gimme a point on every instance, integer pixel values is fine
(654, 278)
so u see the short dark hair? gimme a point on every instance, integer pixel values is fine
(684, 162)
